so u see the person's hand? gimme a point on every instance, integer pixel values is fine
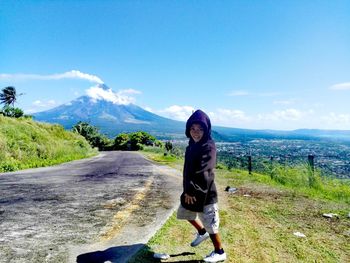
(190, 199)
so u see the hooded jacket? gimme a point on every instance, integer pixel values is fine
(200, 161)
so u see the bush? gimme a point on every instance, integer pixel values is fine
(133, 141)
(92, 135)
(12, 112)
(168, 146)
(121, 142)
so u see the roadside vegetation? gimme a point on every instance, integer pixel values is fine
(25, 143)
(8, 97)
(133, 141)
(262, 218)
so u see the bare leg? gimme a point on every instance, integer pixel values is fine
(215, 238)
(197, 224)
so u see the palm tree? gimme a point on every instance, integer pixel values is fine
(9, 96)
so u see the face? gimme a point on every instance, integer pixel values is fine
(196, 132)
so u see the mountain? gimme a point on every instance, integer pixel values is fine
(111, 118)
(113, 115)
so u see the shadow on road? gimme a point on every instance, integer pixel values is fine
(122, 254)
(113, 254)
(145, 255)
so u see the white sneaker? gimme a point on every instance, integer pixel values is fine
(199, 239)
(215, 257)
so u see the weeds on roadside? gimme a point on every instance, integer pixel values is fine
(25, 143)
(258, 221)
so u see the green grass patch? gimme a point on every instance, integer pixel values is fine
(26, 143)
(159, 155)
(258, 222)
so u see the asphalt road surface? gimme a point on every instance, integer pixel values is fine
(101, 209)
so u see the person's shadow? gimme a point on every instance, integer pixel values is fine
(122, 254)
(113, 254)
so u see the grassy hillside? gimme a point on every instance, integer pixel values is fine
(25, 143)
(258, 221)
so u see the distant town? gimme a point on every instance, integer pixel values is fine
(331, 158)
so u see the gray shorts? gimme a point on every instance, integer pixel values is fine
(209, 217)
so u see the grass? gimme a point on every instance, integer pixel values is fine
(157, 154)
(258, 222)
(25, 143)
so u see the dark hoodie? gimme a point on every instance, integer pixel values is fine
(200, 161)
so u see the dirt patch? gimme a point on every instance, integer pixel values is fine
(261, 192)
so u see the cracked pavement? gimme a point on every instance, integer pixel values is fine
(113, 202)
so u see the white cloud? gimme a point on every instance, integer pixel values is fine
(239, 93)
(39, 105)
(181, 113)
(120, 97)
(130, 91)
(44, 104)
(148, 109)
(73, 74)
(341, 86)
(268, 94)
(284, 115)
(229, 117)
(333, 118)
(284, 119)
(236, 93)
(284, 102)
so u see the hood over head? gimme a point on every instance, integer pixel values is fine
(201, 118)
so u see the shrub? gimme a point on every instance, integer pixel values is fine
(133, 141)
(12, 112)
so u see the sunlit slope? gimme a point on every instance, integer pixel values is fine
(25, 143)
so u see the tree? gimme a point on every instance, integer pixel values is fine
(8, 96)
(133, 141)
(140, 138)
(168, 146)
(92, 135)
(136, 139)
(121, 141)
(85, 129)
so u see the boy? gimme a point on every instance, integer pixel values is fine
(199, 197)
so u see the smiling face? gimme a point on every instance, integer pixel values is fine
(196, 132)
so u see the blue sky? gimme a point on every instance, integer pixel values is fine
(249, 64)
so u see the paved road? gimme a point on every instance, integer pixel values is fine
(94, 210)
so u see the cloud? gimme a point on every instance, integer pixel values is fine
(285, 115)
(341, 86)
(40, 105)
(223, 117)
(181, 113)
(229, 117)
(129, 91)
(73, 74)
(236, 93)
(121, 97)
(268, 94)
(333, 118)
(44, 104)
(284, 119)
(284, 102)
(149, 109)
